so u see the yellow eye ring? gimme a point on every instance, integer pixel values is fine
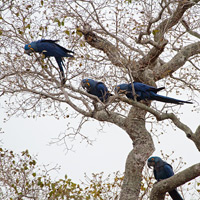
(29, 45)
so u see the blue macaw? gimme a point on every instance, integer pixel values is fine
(145, 92)
(96, 88)
(163, 170)
(50, 48)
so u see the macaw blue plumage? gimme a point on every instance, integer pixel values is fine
(163, 170)
(50, 48)
(96, 88)
(145, 92)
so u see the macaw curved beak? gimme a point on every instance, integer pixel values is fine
(150, 164)
(82, 84)
(29, 51)
(117, 89)
(85, 85)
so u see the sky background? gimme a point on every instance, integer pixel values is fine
(108, 152)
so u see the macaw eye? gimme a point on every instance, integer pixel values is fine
(86, 80)
(152, 159)
(29, 45)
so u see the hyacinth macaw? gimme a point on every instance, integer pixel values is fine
(163, 170)
(96, 88)
(50, 48)
(145, 92)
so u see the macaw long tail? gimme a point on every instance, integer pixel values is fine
(168, 99)
(175, 195)
(60, 65)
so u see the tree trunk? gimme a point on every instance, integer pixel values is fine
(143, 147)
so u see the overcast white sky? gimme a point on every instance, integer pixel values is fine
(108, 153)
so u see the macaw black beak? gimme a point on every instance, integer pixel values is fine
(150, 164)
(117, 89)
(28, 52)
(83, 85)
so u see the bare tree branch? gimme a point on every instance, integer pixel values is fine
(184, 23)
(166, 24)
(102, 44)
(163, 116)
(152, 21)
(177, 61)
(160, 30)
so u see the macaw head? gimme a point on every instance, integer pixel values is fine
(153, 161)
(121, 89)
(29, 48)
(86, 83)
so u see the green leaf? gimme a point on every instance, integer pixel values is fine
(20, 32)
(34, 162)
(78, 32)
(28, 26)
(67, 32)
(155, 31)
(29, 6)
(56, 20)
(34, 174)
(82, 43)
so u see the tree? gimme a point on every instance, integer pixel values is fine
(21, 177)
(115, 41)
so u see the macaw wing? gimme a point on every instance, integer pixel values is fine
(54, 42)
(50, 41)
(101, 87)
(143, 87)
(47, 48)
(63, 49)
(53, 49)
(168, 170)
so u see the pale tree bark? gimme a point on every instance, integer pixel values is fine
(142, 148)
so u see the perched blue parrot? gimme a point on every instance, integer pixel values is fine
(163, 170)
(145, 92)
(50, 48)
(96, 88)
